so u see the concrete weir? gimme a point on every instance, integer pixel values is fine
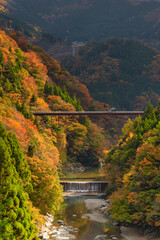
(93, 186)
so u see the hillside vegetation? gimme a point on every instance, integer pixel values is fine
(9, 22)
(16, 216)
(133, 172)
(25, 86)
(121, 72)
(61, 77)
(84, 20)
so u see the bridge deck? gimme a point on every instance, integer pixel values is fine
(79, 182)
(88, 113)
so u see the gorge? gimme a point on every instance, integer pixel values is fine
(86, 209)
(36, 151)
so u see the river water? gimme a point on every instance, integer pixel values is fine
(84, 213)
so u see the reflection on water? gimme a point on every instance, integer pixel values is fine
(83, 212)
(89, 174)
(80, 212)
(73, 214)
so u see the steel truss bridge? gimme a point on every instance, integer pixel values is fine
(88, 113)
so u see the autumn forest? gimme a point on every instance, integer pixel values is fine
(107, 72)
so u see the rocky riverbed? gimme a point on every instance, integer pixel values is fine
(97, 224)
(58, 231)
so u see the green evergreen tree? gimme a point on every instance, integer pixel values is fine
(149, 119)
(48, 89)
(15, 216)
(1, 57)
(36, 122)
(67, 97)
(33, 99)
(149, 113)
(25, 112)
(57, 90)
(31, 148)
(78, 106)
(11, 73)
(17, 157)
(1, 93)
(19, 162)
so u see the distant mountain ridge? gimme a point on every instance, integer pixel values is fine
(10, 22)
(84, 20)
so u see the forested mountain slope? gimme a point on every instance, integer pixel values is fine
(18, 87)
(25, 86)
(84, 20)
(133, 172)
(122, 72)
(12, 23)
(60, 76)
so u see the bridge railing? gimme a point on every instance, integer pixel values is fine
(88, 113)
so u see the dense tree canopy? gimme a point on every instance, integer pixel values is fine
(33, 150)
(16, 220)
(133, 168)
(121, 72)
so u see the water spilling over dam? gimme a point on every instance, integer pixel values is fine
(93, 186)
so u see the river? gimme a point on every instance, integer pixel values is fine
(84, 212)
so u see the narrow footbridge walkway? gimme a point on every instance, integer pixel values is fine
(88, 113)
